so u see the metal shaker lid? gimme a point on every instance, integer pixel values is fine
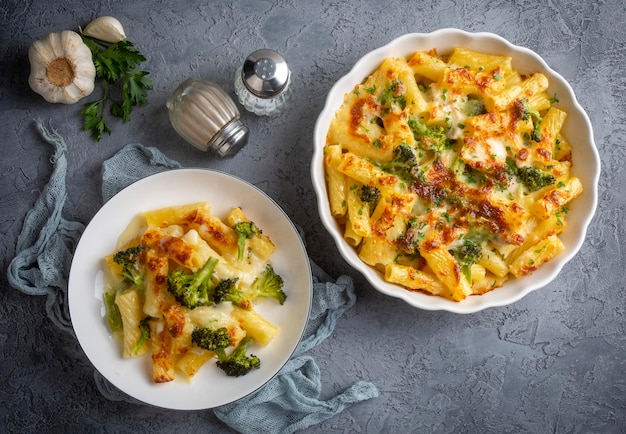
(230, 139)
(265, 73)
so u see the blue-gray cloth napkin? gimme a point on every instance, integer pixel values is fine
(287, 403)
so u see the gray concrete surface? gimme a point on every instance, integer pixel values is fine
(553, 362)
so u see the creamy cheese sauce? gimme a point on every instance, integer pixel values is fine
(478, 171)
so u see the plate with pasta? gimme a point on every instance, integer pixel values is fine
(189, 289)
(455, 170)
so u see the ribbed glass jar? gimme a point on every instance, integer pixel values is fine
(205, 116)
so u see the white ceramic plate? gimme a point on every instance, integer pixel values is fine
(210, 388)
(577, 127)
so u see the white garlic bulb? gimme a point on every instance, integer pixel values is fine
(107, 29)
(61, 68)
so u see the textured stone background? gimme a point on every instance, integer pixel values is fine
(552, 362)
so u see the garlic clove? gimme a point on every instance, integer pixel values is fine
(62, 69)
(83, 84)
(107, 29)
(73, 92)
(40, 53)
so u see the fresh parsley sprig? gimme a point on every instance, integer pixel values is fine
(116, 65)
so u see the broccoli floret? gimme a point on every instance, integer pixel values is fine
(145, 334)
(130, 260)
(217, 340)
(210, 339)
(403, 156)
(114, 317)
(370, 195)
(525, 112)
(403, 165)
(467, 255)
(531, 177)
(412, 237)
(239, 363)
(268, 284)
(534, 179)
(434, 140)
(245, 231)
(193, 289)
(474, 107)
(226, 290)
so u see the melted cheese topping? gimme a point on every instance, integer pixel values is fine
(482, 158)
(184, 238)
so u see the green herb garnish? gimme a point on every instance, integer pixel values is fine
(115, 66)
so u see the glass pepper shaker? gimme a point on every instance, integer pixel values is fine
(205, 116)
(262, 83)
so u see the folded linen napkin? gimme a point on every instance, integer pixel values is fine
(45, 245)
(287, 403)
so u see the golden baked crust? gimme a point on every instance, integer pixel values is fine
(464, 155)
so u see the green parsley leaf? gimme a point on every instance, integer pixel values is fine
(115, 66)
(94, 121)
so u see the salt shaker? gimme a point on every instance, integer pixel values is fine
(205, 116)
(262, 83)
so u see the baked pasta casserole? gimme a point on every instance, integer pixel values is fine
(183, 285)
(449, 173)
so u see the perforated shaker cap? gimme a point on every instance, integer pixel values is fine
(265, 73)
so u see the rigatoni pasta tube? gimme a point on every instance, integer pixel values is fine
(130, 304)
(414, 279)
(336, 181)
(482, 172)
